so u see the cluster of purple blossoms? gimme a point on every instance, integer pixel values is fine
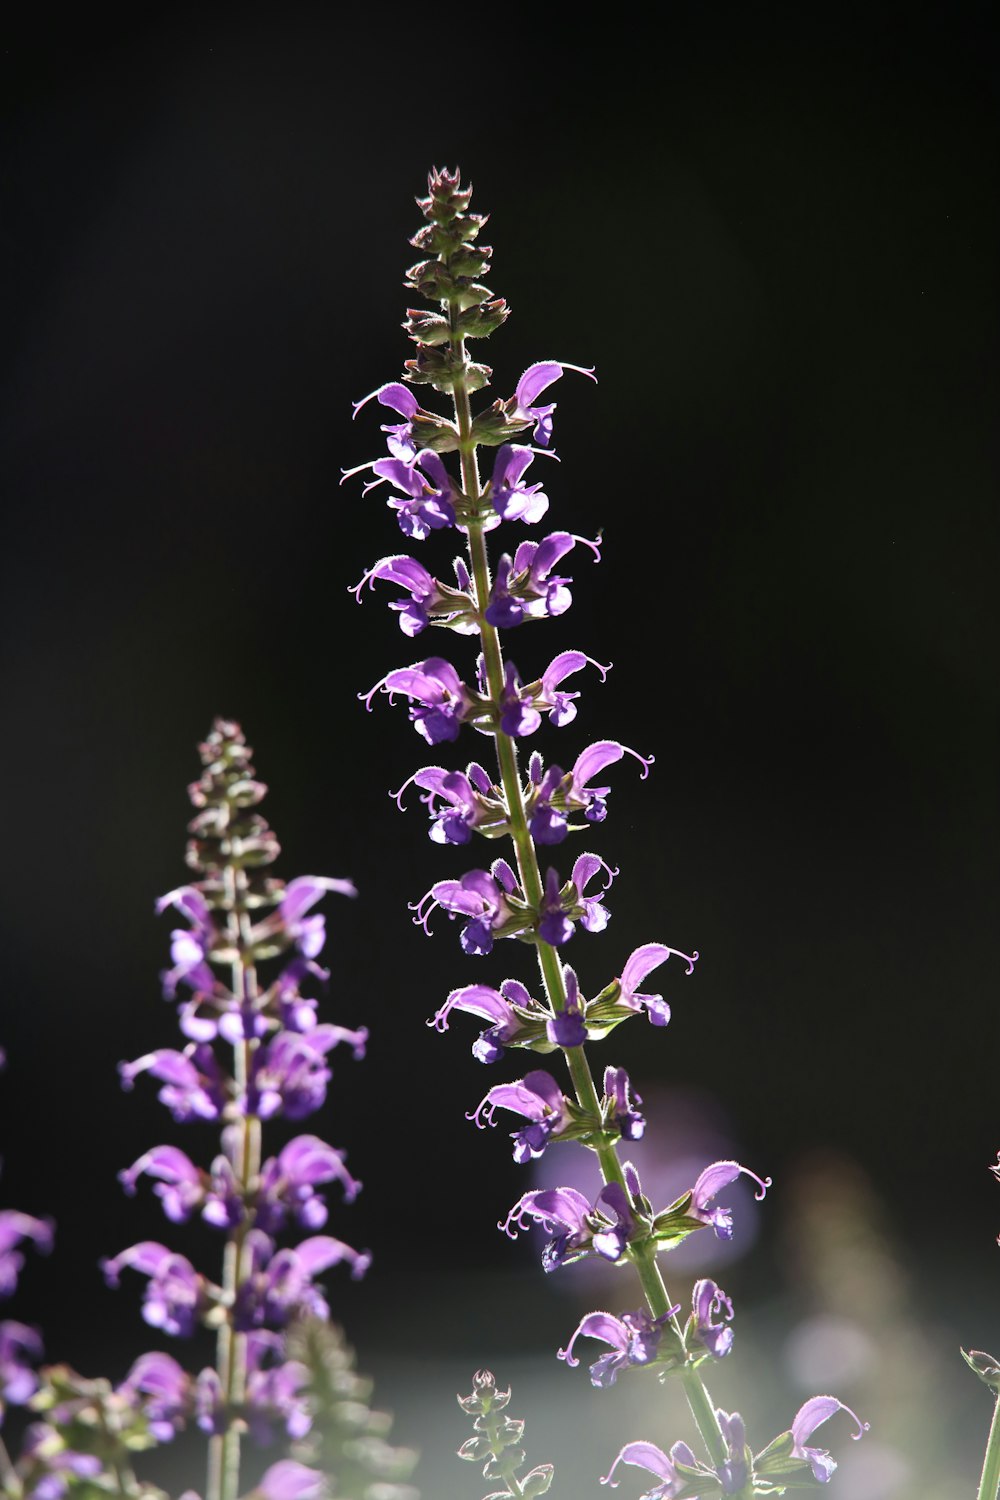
(254, 1051)
(521, 897)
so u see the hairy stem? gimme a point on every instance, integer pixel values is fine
(644, 1257)
(990, 1482)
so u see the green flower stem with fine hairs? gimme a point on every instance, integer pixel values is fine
(644, 1256)
(990, 1482)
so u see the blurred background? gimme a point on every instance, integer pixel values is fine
(774, 233)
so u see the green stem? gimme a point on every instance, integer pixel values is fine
(224, 1448)
(990, 1482)
(9, 1477)
(644, 1257)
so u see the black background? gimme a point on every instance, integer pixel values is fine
(774, 234)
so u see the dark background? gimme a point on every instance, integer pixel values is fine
(774, 234)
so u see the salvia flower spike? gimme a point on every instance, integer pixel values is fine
(522, 896)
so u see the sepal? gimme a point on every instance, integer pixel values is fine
(984, 1365)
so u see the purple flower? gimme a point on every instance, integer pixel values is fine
(20, 1349)
(176, 1295)
(193, 1085)
(639, 964)
(634, 1339)
(398, 398)
(813, 1414)
(524, 587)
(512, 500)
(308, 934)
(540, 1099)
(483, 899)
(663, 1466)
(14, 1228)
(289, 1480)
(274, 1391)
(734, 1471)
(429, 504)
(521, 707)
(619, 1110)
(290, 1073)
(714, 1178)
(576, 1226)
(278, 1286)
(562, 906)
(163, 1390)
(180, 1186)
(707, 1299)
(440, 701)
(568, 1028)
(427, 596)
(556, 795)
(506, 1008)
(288, 1182)
(470, 801)
(537, 378)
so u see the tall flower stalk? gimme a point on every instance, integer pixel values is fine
(528, 898)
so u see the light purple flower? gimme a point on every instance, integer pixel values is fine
(427, 485)
(734, 1472)
(180, 1187)
(619, 1105)
(663, 1466)
(289, 1074)
(576, 1226)
(568, 1028)
(193, 1085)
(289, 1480)
(521, 707)
(469, 799)
(537, 378)
(555, 795)
(634, 1339)
(500, 1007)
(274, 1391)
(512, 500)
(398, 398)
(562, 906)
(714, 1178)
(440, 702)
(427, 596)
(639, 964)
(482, 898)
(20, 1349)
(524, 587)
(175, 1296)
(288, 1184)
(539, 1098)
(708, 1300)
(16, 1227)
(279, 1285)
(163, 1390)
(813, 1414)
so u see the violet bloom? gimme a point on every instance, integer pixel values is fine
(576, 1226)
(569, 1027)
(427, 597)
(289, 1180)
(813, 1414)
(163, 1390)
(193, 1084)
(289, 922)
(469, 801)
(175, 1297)
(714, 1178)
(640, 963)
(279, 1286)
(180, 1186)
(398, 398)
(620, 1104)
(661, 1465)
(557, 794)
(16, 1227)
(537, 378)
(539, 1098)
(562, 906)
(500, 1007)
(289, 1075)
(275, 1390)
(734, 1471)
(429, 504)
(708, 1300)
(479, 896)
(440, 701)
(634, 1339)
(20, 1350)
(526, 589)
(290, 1480)
(512, 500)
(521, 707)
